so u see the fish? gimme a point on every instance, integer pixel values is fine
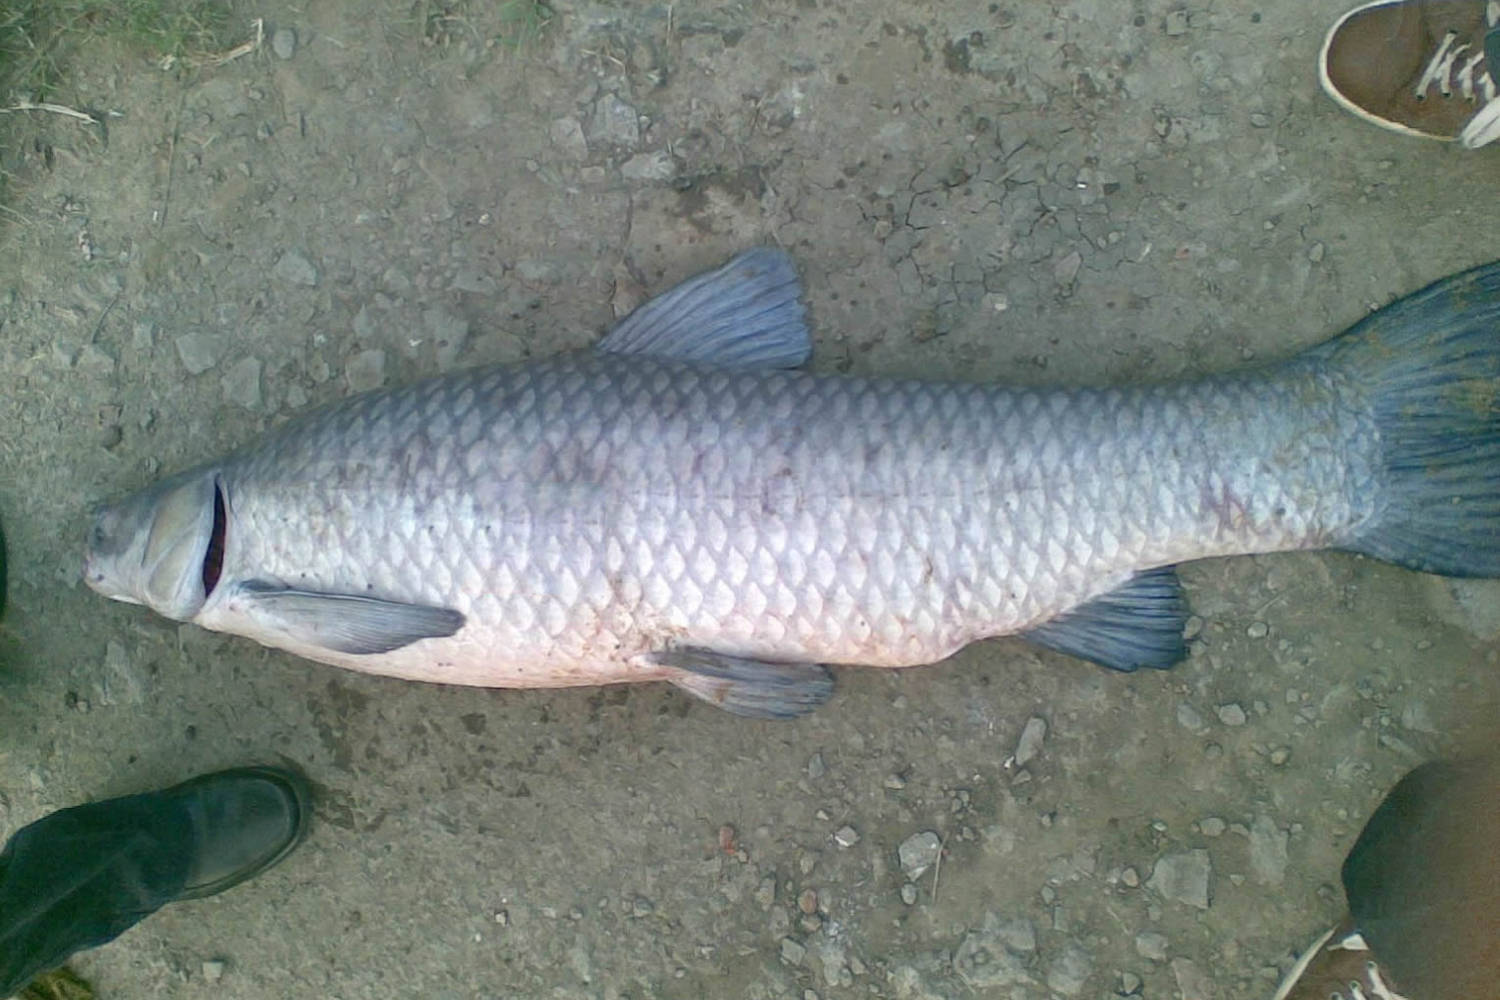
(685, 502)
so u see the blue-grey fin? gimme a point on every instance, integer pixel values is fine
(1138, 624)
(746, 314)
(756, 689)
(345, 623)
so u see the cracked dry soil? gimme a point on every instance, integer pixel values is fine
(1022, 191)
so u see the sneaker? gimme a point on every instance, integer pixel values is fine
(1337, 966)
(1418, 67)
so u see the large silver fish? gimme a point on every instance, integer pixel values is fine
(680, 504)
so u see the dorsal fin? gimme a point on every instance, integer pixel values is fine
(746, 314)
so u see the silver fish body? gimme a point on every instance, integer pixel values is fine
(588, 518)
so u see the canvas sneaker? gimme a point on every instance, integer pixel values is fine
(1337, 966)
(1418, 67)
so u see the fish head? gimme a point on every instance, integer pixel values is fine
(161, 547)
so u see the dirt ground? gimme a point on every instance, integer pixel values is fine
(1024, 191)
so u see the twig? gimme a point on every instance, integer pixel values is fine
(56, 109)
(220, 58)
(937, 867)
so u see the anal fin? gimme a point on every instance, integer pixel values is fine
(343, 623)
(1138, 624)
(756, 689)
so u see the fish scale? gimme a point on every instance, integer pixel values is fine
(776, 514)
(682, 504)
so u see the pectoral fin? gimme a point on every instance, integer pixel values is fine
(1138, 624)
(343, 623)
(752, 688)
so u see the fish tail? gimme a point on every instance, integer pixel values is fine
(1429, 367)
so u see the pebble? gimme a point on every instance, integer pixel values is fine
(365, 371)
(894, 782)
(614, 124)
(765, 893)
(1183, 877)
(918, 853)
(93, 360)
(199, 350)
(1176, 23)
(1188, 717)
(1130, 984)
(1149, 944)
(1030, 743)
(1316, 251)
(284, 43)
(1280, 756)
(567, 135)
(1213, 826)
(1268, 843)
(1231, 714)
(846, 836)
(1192, 982)
(985, 960)
(657, 166)
(241, 384)
(1070, 971)
(1258, 630)
(816, 767)
(807, 901)
(792, 952)
(1130, 877)
(296, 269)
(213, 971)
(909, 894)
(142, 337)
(1066, 269)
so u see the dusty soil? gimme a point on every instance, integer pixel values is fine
(1023, 191)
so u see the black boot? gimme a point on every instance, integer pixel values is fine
(82, 876)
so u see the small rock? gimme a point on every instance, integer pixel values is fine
(567, 135)
(365, 371)
(284, 43)
(1231, 714)
(657, 166)
(1192, 982)
(449, 335)
(1258, 630)
(816, 767)
(792, 953)
(1030, 743)
(1130, 877)
(199, 350)
(1066, 269)
(1213, 826)
(807, 901)
(1316, 251)
(984, 961)
(142, 337)
(1268, 844)
(1176, 23)
(846, 836)
(765, 893)
(640, 906)
(918, 853)
(213, 971)
(1070, 971)
(1130, 984)
(93, 360)
(1417, 718)
(1259, 119)
(241, 384)
(1280, 756)
(1149, 944)
(1188, 717)
(614, 124)
(1183, 877)
(122, 684)
(894, 782)
(909, 894)
(296, 269)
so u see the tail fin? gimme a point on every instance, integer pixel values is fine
(1431, 364)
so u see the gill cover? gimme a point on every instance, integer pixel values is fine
(161, 547)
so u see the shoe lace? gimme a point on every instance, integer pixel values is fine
(1379, 988)
(1459, 66)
